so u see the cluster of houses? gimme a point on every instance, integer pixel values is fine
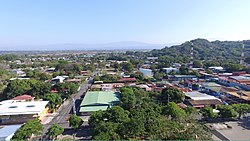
(212, 89)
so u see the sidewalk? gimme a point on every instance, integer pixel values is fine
(48, 117)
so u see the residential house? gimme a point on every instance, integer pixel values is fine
(182, 77)
(236, 81)
(200, 100)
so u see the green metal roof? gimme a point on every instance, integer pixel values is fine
(99, 100)
(213, 86)
(93, 108)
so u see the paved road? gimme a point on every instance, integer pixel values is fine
(67, 107)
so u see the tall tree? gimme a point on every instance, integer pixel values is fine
(128, 99)
(75, 122)
(172, 110)
(172, 94)
(127, 66)
(54, 100)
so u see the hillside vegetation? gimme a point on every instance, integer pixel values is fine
(221, 51)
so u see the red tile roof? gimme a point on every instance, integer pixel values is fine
(23, 97)
(127, 79)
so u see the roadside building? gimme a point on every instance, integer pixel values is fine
(73, 80)
(106, 87)
(239, 96)
(212, 88)
(171, 69)
(8, 131)
(144, 86)
(182, 77)
(216, 69)
(236, 81)
(58, 79)
(200, 100)
(126, 80)
(85, 72)
(152, 58)
(99, 100)
(17, 112)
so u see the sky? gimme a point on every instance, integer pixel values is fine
(43, 22)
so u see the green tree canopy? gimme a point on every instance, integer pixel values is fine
(207, 112)
(127, 66)
(30, 127)
(66, 89)
(227, 111)
(173, 94)
(75, 121)
(241, 109)
(197, 64)
(128, 98)
(54, 100)
(54, 131)
(172, 110)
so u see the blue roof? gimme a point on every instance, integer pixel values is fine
(6, 131)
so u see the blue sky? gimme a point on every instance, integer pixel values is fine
(41, 22)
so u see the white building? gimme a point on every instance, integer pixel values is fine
(20, 111)
(216, 69)
(59, 78)
(171, 69)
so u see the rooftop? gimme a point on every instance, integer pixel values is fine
(8, 131)
(181, 76)
(99, 100)
(127, 79)
(240, 78)
(201, 103)
(195, 95)
(23, 97)
(240, 94)
(14, 107)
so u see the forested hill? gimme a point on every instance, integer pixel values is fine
(205, 50)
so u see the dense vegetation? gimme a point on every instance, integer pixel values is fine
(205, 50)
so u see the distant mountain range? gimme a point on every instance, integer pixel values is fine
(123, 45)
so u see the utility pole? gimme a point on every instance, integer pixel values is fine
(168, 98)
(74, 106)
